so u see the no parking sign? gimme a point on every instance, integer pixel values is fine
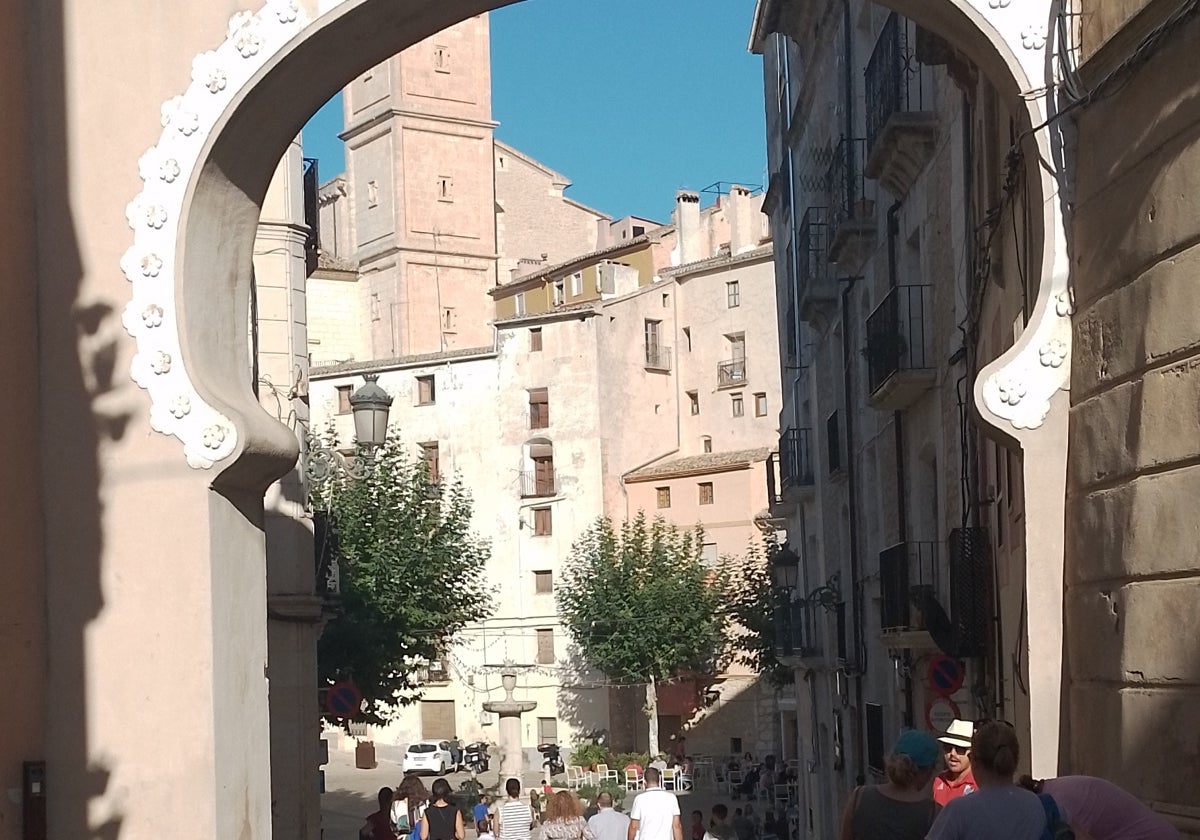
(343, 699)
(945, 675)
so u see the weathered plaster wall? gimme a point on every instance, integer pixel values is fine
(1132, 571)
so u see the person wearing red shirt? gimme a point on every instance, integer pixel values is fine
(957, 779)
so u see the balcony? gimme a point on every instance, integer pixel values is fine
(795, 460)
(900, 348)
(901, 129)
(815, 280)
(536, 484)
(851, 210)
(906, 570)
(731, 374)
(795, 630)
(658, 358)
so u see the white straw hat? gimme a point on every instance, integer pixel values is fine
(959, 733)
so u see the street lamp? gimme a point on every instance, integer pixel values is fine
(370, 405)
(785, 569)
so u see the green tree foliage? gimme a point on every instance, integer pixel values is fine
(753, 606)
(642, 607)
(411, 576)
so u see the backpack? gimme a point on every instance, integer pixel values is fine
(401, 825)
(1056, 828)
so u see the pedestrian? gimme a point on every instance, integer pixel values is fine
(999, 809)
(514, 818)
(564, 820)
(743, 826)
(1103, 810)
(456, 753)
(408, 807)
(718, 825)
(608, 823)
(697, 825)
(379, 824)
(480, 811)
(655, 812)
(957, 780)
(443, 820)
(535, 805)
(901, 808)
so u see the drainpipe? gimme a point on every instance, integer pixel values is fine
(893, 231)
(848, 36)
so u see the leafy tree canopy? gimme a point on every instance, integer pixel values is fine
(754, 603)
(411, 576)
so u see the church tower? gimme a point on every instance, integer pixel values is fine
(419, 160)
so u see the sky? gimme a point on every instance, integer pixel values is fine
(630, 99)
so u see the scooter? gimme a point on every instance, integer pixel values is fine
(553, 762)
(475, 757)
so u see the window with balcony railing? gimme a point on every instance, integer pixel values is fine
(541, 480)
(904, 568)
(894, 79)
(898, 335)
(846, 185)
(812, 247)
(795, 458)
(658, 357)
(794, 628)
(731, 372)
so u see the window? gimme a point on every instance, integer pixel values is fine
(652, 337)
(664, 496)
(372, 193)
(545, 647)
(543, 476)
(543, 582)
(733, 294)
(687, 335)
(735, 403)
(638, 230)
(445, 188)
(706, 444)
(694, 401)
(441, 59)
(706, 493)
(535, 340)
(449, 319)
(542, 527)
(520, 304)
(547, 731)
(666, 301)
(560, 292)
(760, 405)
(431, 455)
(426, 393)
(343, 392)
(577, 284)
(735, 746)
(539, 408)
(833, 442)
(708, 555)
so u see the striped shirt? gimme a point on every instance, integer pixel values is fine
(515, 818)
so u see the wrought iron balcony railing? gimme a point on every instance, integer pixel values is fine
(812, 247)
(658, 357)
(732, 372)
(894, 79)
(899, 335)
(846, 185)
(903, 568)
(795, 628)
(795, 458)
(538, 483)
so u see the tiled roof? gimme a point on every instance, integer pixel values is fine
(708, 462)
(343, 368)
(565, 309)
(585, 259)
(709, 263)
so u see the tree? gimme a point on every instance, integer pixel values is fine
(411, 576)
(642, 607)
(753, 606)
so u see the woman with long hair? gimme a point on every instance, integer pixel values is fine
(563, 819)
(408, 806)
(902, 808)
(443, 820)
(999, 809)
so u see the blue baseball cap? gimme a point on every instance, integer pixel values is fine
(918, 746)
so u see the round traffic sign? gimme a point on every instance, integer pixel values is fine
(940, 712)
(944, 675)
(343, 699)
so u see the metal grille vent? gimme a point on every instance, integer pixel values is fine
(970, 589)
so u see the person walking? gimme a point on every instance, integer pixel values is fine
(480, 813)
(443, 820)
(901, 808)
(563, 819)
(408, 807)
(655, 812)
(718, 824)
(608, 823)
(514, 818)
(999, 809)
(1103, 810)
(957, 780)
(379, 824)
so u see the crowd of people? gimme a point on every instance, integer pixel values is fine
(975, 797)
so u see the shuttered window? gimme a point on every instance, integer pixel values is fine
(539, 408)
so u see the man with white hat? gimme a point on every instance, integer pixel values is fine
(957, 780)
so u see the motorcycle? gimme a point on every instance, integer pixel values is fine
(475, 757)
(552, 763)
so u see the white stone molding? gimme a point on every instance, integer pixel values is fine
(166, 169)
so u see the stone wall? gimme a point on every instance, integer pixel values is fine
(1133, 576)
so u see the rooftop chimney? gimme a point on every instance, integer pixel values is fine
(744, 224)
(687, 225)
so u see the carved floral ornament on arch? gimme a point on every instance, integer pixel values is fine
(166, 169)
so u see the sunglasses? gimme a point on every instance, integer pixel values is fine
(955, 748)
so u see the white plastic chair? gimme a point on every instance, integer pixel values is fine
(605, 774)
(634, 779)
(574, 776)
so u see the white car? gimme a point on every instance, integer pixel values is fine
(428, 757)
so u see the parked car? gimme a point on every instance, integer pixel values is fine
(428, 757)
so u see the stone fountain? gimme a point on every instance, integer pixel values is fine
(509, 712)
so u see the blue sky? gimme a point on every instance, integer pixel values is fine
(631, 99)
